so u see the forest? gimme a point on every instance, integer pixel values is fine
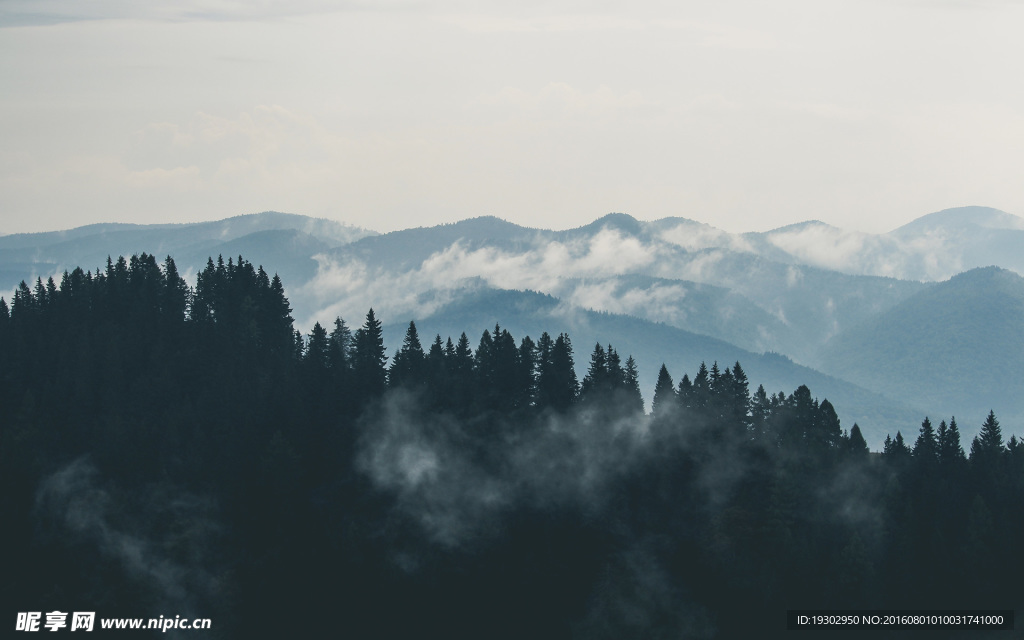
(173, 449)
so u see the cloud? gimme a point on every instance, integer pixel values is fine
(458, 495)
(347, 286)
(658, 302)
(695, 236)
(176, 564)
(933, 255)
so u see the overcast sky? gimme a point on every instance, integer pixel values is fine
(744, 114)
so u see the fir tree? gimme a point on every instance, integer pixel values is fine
(557, 385)
(701, 395)
(926, 448)
(526, 382)
(596, 382)
(826, 431)
(684, 393)
(175, 296)
(896, 448)
(634, 402)
(616, 374)
(318, 351)
(856, 446)
(341, 348)
(760, 411)
(369, 359)
(950, 450)
(988, 444)
(664, 393)
(408, 367)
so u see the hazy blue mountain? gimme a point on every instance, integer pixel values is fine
(956, 348)
(408, 248)
(287, 252)
(651, 344)
(621, 265)
(810, 291)
(963, 220)
(974, 236)
(931, 248)
(701, 308)
(25, 256)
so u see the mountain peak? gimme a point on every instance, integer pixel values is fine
(800, 226)
(619, 221)
(988, 277)
(487, 221)
(960, 218)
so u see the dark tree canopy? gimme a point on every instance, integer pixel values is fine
(172, 448)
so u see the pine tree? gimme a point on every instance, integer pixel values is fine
(5, 321)
(634, 402)
(616, 374)
(701, 389)
(739, 398)
(557, 385)
(988, 444)
(460, 367)
(800, 425)
(408, 367)
(436, 354)
(526, 383)
(505, 391)
(926, 448)
(760, 411)
(950, 450)
(463, 362)
(369, 359)
(340, 355)
(826, 431)
(318, 351)
(204, 298)
(856, 446)
(684, 393)
(596, 382)
(664, 394)
(175, 296)
(899, 445)
(275, 315)
(545, 370)
(341, 348)
(483, 364)
(896, 449)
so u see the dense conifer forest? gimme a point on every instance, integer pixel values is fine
(169, 449)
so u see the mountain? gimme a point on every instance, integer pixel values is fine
(525, 313)
(840, 301)
(954, 348)
(26, 256)
(616, 264)
(962, 220)
(931, 248)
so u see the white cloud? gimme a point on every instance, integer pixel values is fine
(346, 287)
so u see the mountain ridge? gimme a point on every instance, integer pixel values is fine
(752, 291)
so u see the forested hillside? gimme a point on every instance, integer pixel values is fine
(176, 449)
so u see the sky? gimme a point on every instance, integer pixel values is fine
(389, 114)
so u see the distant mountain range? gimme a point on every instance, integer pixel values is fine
(882, 325)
